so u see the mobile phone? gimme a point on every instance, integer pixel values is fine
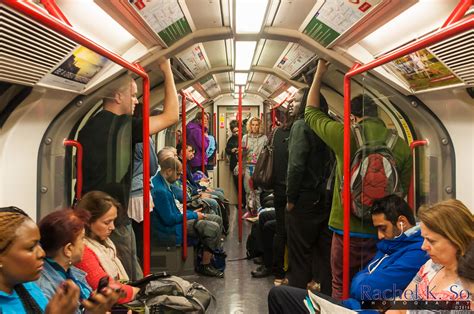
(103, 283)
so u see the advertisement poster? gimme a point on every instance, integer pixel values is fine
(210, 86)
(165, 17)
(272, 83)
(193, 58)
(77, 70)
(422, 70)
(296, 58)
(335, 17)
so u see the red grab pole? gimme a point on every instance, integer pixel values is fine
(54, 24)
(185, 173)
(203, 138)
(78, 147)
(239, 118)
(450, 30)
(411, 189)
(458, 12)
(54, 10)
(215, 134)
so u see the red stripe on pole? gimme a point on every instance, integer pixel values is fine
(185, 173)
(78, 147)
(239, 118)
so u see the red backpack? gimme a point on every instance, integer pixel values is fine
(373, 172)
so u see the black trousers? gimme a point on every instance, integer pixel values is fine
(285, 299)
(309, 249)
(236, 183)
(279, 239)
(267, 226)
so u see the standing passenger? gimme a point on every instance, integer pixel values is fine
(232, 150)
(252, 145)
(362, 233)
(194, 131)
(108, 139)
(309, 239)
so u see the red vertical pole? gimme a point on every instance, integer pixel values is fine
(273, 118)
(239, 118)
(215, 135)
(185, 173)
(203, 149)
(346, 188)
(146, 173)
(411, 189)
(78, 166)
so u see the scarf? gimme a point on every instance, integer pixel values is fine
(107, 255)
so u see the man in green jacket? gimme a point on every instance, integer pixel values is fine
(363, 234)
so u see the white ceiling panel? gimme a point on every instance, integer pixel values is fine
(289, 14)
(222, 78)
(271, 53)
(205, 13)
(216, 52)
(258, 77)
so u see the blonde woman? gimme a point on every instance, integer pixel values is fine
(252, 145)
(448, 229)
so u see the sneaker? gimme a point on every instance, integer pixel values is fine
(280, 282)
(210, 271)
(258, 260)
(249, 214)
(261, 272)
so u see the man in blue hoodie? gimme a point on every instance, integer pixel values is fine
(167, 218)
(399, 256)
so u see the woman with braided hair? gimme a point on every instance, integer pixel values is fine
(21, 263)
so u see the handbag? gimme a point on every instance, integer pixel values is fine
(263, 173)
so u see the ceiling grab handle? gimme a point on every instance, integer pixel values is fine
(79, 155)
(34, 12)
(443, 33)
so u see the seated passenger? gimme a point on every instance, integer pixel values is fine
(21, 263)
(100, 255)
(267, 227)
(62, 238)
(448, 229)
(466, 271)
(167, 218)
(398, 258)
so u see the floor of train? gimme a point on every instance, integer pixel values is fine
(237, 292)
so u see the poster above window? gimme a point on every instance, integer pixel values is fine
(335, 17)
(165, 17)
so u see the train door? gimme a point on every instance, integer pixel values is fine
(225, 115)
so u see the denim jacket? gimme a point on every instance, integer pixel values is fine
(53, 275)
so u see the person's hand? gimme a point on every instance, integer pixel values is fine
(206, 195)
(201, 216)
(164, 65)
(198, 210)
(65, 300)
(289, 206)
(322, 68)
(234, 150)
(103, 301)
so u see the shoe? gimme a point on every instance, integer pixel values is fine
(210, 271)
(249, 214)
(261, 272)
(258, 260)
(280, 282)
(313, 286)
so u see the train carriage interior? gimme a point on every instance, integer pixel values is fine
(232, 61)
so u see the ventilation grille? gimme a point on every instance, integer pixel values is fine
(28, 50)
(458, 54)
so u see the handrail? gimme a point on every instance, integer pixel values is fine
(239, 119)
(185, 175)
(54, 10)
(458, 12)
(277, 106)
(203, 150)
(79, 155)
(411, 189)
(214, 129)
(53, 23)
(443, 33)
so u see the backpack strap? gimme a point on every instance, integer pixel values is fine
(271, 136)
(391, 139)
(358, 135)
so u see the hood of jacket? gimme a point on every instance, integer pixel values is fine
(408, 238)
(194, 126)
